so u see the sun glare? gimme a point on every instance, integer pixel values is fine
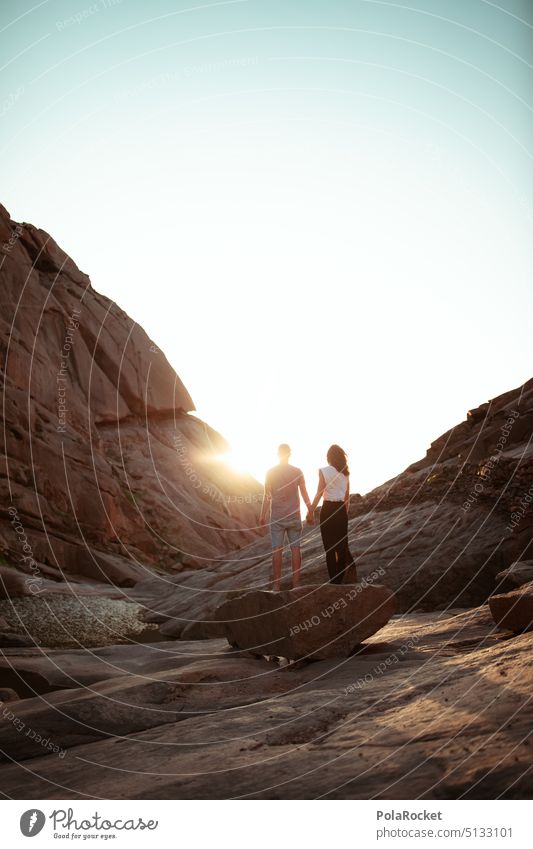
(244, 460)
(260, 455)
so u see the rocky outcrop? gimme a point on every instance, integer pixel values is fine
(308, 622)
(514, 611)
(106, 473)
(7, 695)
(433, 706)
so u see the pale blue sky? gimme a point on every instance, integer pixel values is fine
(321, 211)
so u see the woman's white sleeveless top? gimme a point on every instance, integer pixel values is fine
(336, 484)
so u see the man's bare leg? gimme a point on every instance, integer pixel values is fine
(296, 560)
(277, 559)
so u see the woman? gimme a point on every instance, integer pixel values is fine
(334, 485)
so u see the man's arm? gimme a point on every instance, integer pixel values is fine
(267, 497)
(303, 491)
(320, 491)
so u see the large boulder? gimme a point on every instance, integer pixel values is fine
(311, 621)
(514, 610)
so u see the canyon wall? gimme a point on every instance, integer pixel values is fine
(106, 474)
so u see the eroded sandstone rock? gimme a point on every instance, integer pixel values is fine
(514, 610)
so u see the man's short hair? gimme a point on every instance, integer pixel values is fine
(284, 448)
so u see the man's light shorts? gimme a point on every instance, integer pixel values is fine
(291, 527)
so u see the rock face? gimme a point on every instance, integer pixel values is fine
(308, 622)
(514, 610)
(106, 474)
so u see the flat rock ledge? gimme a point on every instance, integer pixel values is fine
(308, 622)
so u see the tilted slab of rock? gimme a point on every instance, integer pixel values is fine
(40, 670)
(310, 621)
(514, 610)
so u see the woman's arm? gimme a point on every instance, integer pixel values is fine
(319, 493)
(347, 494)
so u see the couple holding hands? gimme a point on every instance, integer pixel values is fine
(283, 486)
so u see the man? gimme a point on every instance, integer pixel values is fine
(283, 486)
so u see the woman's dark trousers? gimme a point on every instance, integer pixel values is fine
(334, 531)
